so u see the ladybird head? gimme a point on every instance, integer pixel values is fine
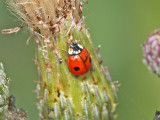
(74, 48)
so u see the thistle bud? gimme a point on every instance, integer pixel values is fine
(55, 24)
(151, 52)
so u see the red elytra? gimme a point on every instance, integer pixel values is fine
(80, 64)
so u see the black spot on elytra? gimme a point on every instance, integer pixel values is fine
(76, 68)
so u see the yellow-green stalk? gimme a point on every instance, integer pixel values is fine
(64, 96)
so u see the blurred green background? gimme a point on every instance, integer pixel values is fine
(121, 27)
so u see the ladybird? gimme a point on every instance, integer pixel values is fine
(79, 61)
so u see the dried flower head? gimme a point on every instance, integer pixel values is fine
(48, 14)
(151, 52)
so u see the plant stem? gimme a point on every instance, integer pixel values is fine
(54, 24)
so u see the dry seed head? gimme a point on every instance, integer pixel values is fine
(47, 14)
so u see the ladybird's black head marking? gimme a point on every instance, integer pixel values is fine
(76, 68)
(74, 48)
